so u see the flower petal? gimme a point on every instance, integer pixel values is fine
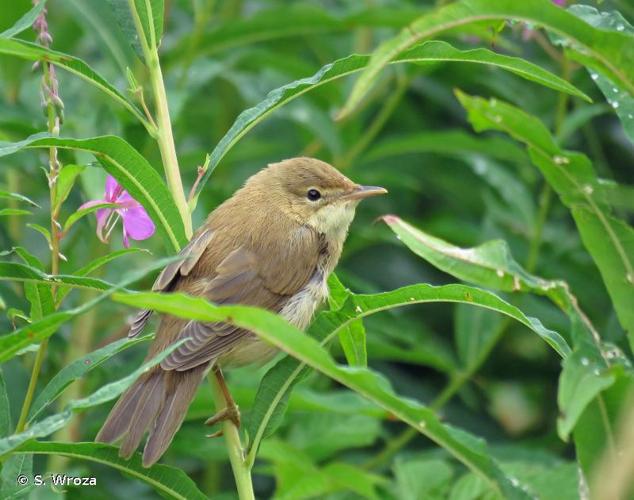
(112, 186)
(101, 214)
(136, 223)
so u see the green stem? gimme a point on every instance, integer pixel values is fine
(53, 129)
(164, 134)
(241, 471)
(28, 399)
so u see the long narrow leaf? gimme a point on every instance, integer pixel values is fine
(169, 481)
(33, 52)
(425, 53)
(609, 50)
(130, 169)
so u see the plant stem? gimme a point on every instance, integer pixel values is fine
(241, 471)
(164, 134)
(50, 86)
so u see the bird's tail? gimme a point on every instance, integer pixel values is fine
(157, 402)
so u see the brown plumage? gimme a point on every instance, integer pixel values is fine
(272, 245)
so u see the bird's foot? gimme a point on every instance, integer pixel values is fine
(231, 413)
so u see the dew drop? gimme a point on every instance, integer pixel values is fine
(630, 116)
(412, 299)
(422, 424)
(620, 27)
(630, 278)
(588, 189)
(514, 481)
(500, 273)
(561, 160)
(585, 361)
(615, 104)
(594, 76)
(480, 166)
(597, 371)
(615, 90)
(398, 236)
(358, 309)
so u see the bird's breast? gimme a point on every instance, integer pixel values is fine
(299, 308)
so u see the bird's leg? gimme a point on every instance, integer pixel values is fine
(230, 411)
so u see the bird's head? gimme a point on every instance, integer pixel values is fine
(312, 192)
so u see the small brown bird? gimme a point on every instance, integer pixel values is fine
(272, 245)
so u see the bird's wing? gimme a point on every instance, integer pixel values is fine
(190, 255)
(240, 279)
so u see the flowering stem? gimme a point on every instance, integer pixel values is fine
(53, 106)
(164, 134)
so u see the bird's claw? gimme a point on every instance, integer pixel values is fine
(231, 413)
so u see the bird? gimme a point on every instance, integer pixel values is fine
(273, 245)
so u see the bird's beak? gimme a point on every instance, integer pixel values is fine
(361, 192)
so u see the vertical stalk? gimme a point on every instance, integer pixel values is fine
(164, 135)
(241, 471)
(167, 148)
(53, 103)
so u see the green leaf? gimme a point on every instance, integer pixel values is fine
(273, 329)
(14, 342)
(272, 397)
(43, 231)
(609, 240)
(476, 332)
(82, 212)
(450, 142)
(469, 487)
(130, 169)
(609, 50)
(150, 14)
(583, 378)
(352, 340)
(422, 478)
(323, 436)
(19, 272)
(106, 393)
(298, 477)
(78, 369)
(33, 52)
(65, 181)
(428, 52)
(39, 296)
(5, 409)
(594, 433)
(17, 196)
(619, 98)
(25, 22)
(12, 467)
(490, 265)
(7, 212)
(95, 264)
(168, 481)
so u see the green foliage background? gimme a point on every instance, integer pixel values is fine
(496, 298)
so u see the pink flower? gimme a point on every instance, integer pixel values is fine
(561, 3)
(136, 222)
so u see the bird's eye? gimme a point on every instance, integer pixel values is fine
(313, 195)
